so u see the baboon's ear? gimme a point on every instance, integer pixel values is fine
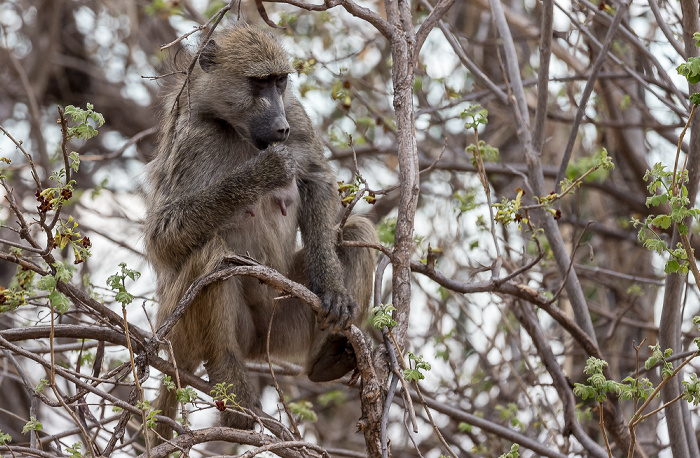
(207, 58)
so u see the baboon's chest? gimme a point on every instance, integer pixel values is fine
(267, 229)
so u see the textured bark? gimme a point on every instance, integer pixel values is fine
(680, 426)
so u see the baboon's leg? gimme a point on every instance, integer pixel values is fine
(332, 356)
(231, 332)
(229, 368)
(166, 401)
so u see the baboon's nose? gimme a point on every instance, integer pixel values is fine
(282, 130)
(284, 133)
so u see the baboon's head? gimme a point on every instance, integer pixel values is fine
(246, 70)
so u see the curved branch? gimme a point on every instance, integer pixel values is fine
(351, 7)
(433, 18)
(187, 440)
(490, 427)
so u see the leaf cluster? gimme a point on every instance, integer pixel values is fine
(340, 91)
(600, 161)
(466, 200)
(116, 283)
(475, 115)
(386, 231)
(74, 450)
(598, 385)
(513, 453)
(150, 419)
(32, 425)
(84, 129)
(185, 395)
(382, 316)
(303, 410)
(657, 356)
(508, 210)
(221, 392)
(661, 187)
(488, 153)
(348, 192)
(416, 365)
(690, 69)
(510, 413)
(58, 300)
(67, 233)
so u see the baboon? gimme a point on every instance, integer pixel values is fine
(238, 168)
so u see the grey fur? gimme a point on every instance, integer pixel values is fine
(213, 192)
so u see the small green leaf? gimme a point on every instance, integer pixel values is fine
(59, 301)
(185, 395)
(32, 425)
(672, 266)
(303, 410)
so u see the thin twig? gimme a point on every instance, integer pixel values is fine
(600, 59)
(674, 184)
(280, 394)
(571, 264)
(137, 384)
(601, 424)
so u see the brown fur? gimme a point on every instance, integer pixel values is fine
(212, 192)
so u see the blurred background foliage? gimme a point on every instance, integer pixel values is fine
(74, 52)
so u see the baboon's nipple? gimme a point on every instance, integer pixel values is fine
(283, 206)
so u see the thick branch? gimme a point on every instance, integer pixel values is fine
(188, 440)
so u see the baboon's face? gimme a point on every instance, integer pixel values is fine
(246, 87)
(268, 124)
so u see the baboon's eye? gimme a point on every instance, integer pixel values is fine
(260, 83)
(281, 82)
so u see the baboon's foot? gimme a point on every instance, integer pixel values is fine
(335, 359)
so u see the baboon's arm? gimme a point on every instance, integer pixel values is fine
(317, 219)
(317, 213)
(188, 219)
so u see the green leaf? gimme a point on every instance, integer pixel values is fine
(303, 410)
(46, 283)
(386, 230)
(663, 221)
(124, 298)
(657, 200)
(465, 427)
(334, 397)
(41, 385)
(672, 266)
(74, 161)
(382, 316)
(59, 301)
(185, 395)
(32, 425)
(655, 244)
(412, 375)
(74, 450)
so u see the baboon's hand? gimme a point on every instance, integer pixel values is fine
(277, 166)
(338, 308)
